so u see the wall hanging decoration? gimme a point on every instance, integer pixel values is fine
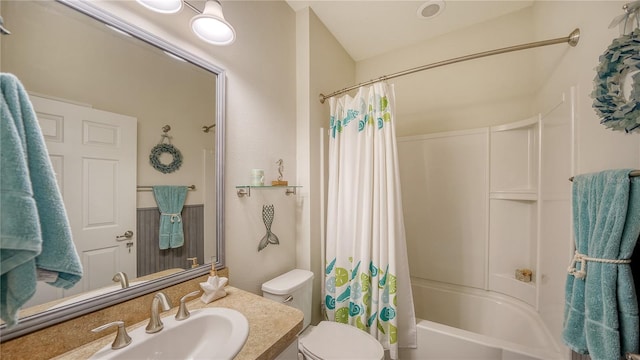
(165, 148)
(280, 182)
(620, 61)
(268, 213)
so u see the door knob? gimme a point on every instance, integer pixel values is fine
(127, 235)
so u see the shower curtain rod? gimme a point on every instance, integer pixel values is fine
(572, 40)
(633, 173)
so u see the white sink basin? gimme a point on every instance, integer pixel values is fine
(210, 333)
(94, 293)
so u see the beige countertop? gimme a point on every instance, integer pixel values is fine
(272, 326)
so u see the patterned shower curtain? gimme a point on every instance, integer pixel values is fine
(367, 275)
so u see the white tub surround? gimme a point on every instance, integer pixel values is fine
(457, 322)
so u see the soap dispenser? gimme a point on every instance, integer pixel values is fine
(214, 287)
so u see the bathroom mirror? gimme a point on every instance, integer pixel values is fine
(85, 13)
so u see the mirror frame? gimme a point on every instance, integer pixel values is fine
(48, 318)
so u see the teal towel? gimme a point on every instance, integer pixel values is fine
(170, 200)
(34, 229)
(601, 308)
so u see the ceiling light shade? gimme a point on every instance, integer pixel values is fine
(162, 6)
(211, 26)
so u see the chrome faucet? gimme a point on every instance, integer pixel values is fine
(122, 278)
(155, 324)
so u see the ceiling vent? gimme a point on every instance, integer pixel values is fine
(431, 9)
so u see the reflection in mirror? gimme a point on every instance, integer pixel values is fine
(102, 98)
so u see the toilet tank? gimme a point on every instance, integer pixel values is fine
(294, 289)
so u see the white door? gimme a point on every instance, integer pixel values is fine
(94, 157)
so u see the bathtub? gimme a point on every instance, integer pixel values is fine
(460, 323)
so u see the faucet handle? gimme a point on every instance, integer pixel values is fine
(122, 338)
(183, 312)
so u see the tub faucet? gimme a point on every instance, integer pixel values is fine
(122, 278)
(155, 324)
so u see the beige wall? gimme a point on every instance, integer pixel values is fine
(261, 127)
(322, 65)
(472, 94)
(594, 147)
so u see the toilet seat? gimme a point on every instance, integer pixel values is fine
(331, 340)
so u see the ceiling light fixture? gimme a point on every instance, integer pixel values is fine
(162, 6)
(431, 9)
(209, 25)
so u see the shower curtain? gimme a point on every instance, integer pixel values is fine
(367, 273)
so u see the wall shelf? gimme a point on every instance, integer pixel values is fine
(513, 206)
(245, 190)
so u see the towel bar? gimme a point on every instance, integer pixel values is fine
(147, 187)
(634, 173)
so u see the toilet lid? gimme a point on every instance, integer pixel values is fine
(330, 340)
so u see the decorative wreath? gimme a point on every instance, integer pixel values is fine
(160, 149)
(621, 58)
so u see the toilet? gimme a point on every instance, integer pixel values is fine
(328, 340)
